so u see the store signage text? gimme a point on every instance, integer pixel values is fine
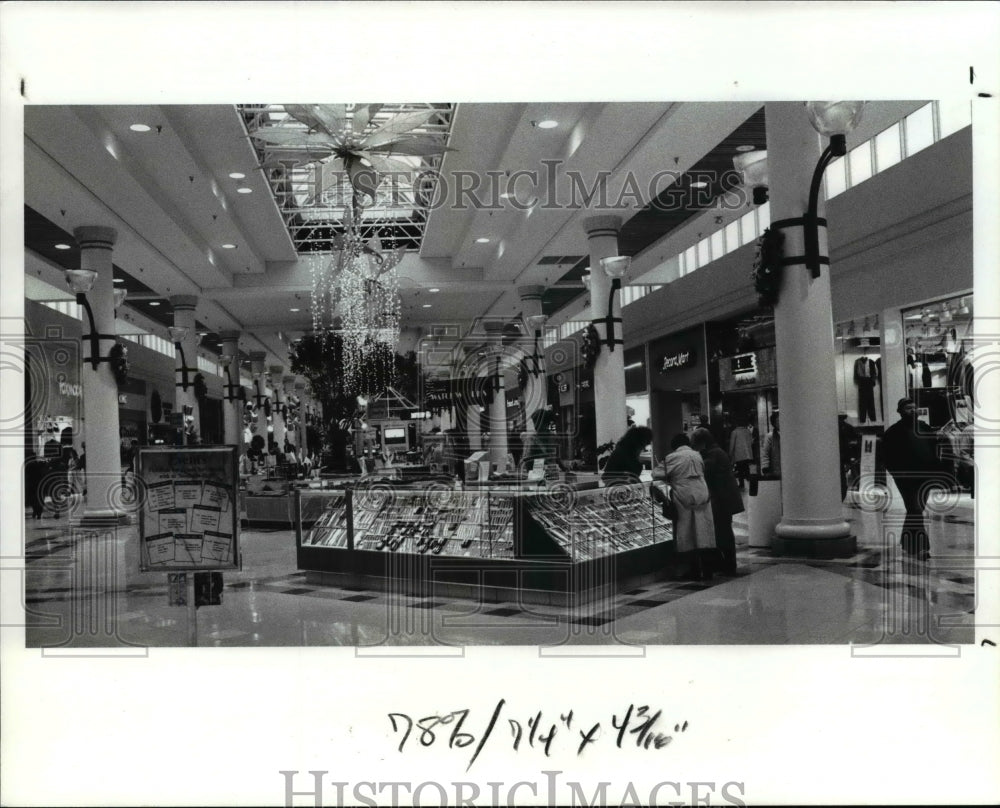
(744, 368)
(67, 389)
(681, 359)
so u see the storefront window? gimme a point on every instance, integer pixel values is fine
(859, 370)
(938, 370)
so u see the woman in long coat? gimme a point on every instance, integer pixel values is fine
(725, 494)
(694, 529)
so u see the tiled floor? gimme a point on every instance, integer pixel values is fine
(84, 591)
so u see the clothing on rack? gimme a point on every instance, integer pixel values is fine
(866, 376)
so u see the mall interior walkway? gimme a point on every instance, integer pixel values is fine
(80, 593)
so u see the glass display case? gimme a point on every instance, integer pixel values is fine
(482, 523)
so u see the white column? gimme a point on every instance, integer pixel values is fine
(287, 391)
(259, 393)
(812, 523)
(609, 371)
(277, 373)
(472, 412)
(536, 392)
(232, 411)
(100, 390)
(498, 406)
(300, 393)
(184, 307)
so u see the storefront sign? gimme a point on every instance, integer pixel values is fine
(563, 387)
(744, 369)
(675, 361)
(67, 389)
(190, 520)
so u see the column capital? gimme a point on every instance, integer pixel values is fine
(288, 381)
(602, 225)
(276, 371)
(183, 302)
(230, 336)
(531, 292)
(93, 235)
(301, 386)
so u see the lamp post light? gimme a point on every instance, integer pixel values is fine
(753, 166)
(177, 335)
(832, 119)
(224, 362)
(82, 281)
(535, 322)
(119, 295)
(614, 267)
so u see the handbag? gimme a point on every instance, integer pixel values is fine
(660, 492)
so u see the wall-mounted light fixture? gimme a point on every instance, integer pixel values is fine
(536, 322)
(177, 334)
(120, 295)
(82, 281)
(832, 119)
(753, 166)
(614, 267)
(232, 390)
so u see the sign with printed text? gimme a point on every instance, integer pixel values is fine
(189, 520)
(675, 361)
(744, 368)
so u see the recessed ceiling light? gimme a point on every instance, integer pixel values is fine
(119, 280)
(699, 184)
(154, 302)
(745, 148)
(202, 333)
(482, 241)
(434, 290)
(139, 127)
(237, 175)
(295, 309)
(63, 247)
(229, 246)
(427, 305)
(244, 190)
(548, 124)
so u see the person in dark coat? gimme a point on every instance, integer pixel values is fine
(724, 491)
(624, 465)
(35, 469)
(909, 448)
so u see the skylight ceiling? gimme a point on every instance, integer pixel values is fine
(312, 192)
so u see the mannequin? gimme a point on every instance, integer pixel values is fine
(866, 376)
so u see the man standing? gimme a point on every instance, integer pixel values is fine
(910, 451)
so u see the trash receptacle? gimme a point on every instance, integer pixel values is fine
(763, 509)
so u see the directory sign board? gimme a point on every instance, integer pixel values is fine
(189, 519)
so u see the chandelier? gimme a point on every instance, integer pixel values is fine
(355, 289)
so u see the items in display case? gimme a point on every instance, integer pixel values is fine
(601, 522)
(430, 521)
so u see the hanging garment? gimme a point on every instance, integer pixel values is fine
(866, 377)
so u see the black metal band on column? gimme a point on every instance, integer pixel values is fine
(810, 225)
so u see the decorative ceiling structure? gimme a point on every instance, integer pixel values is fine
(315, 157)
